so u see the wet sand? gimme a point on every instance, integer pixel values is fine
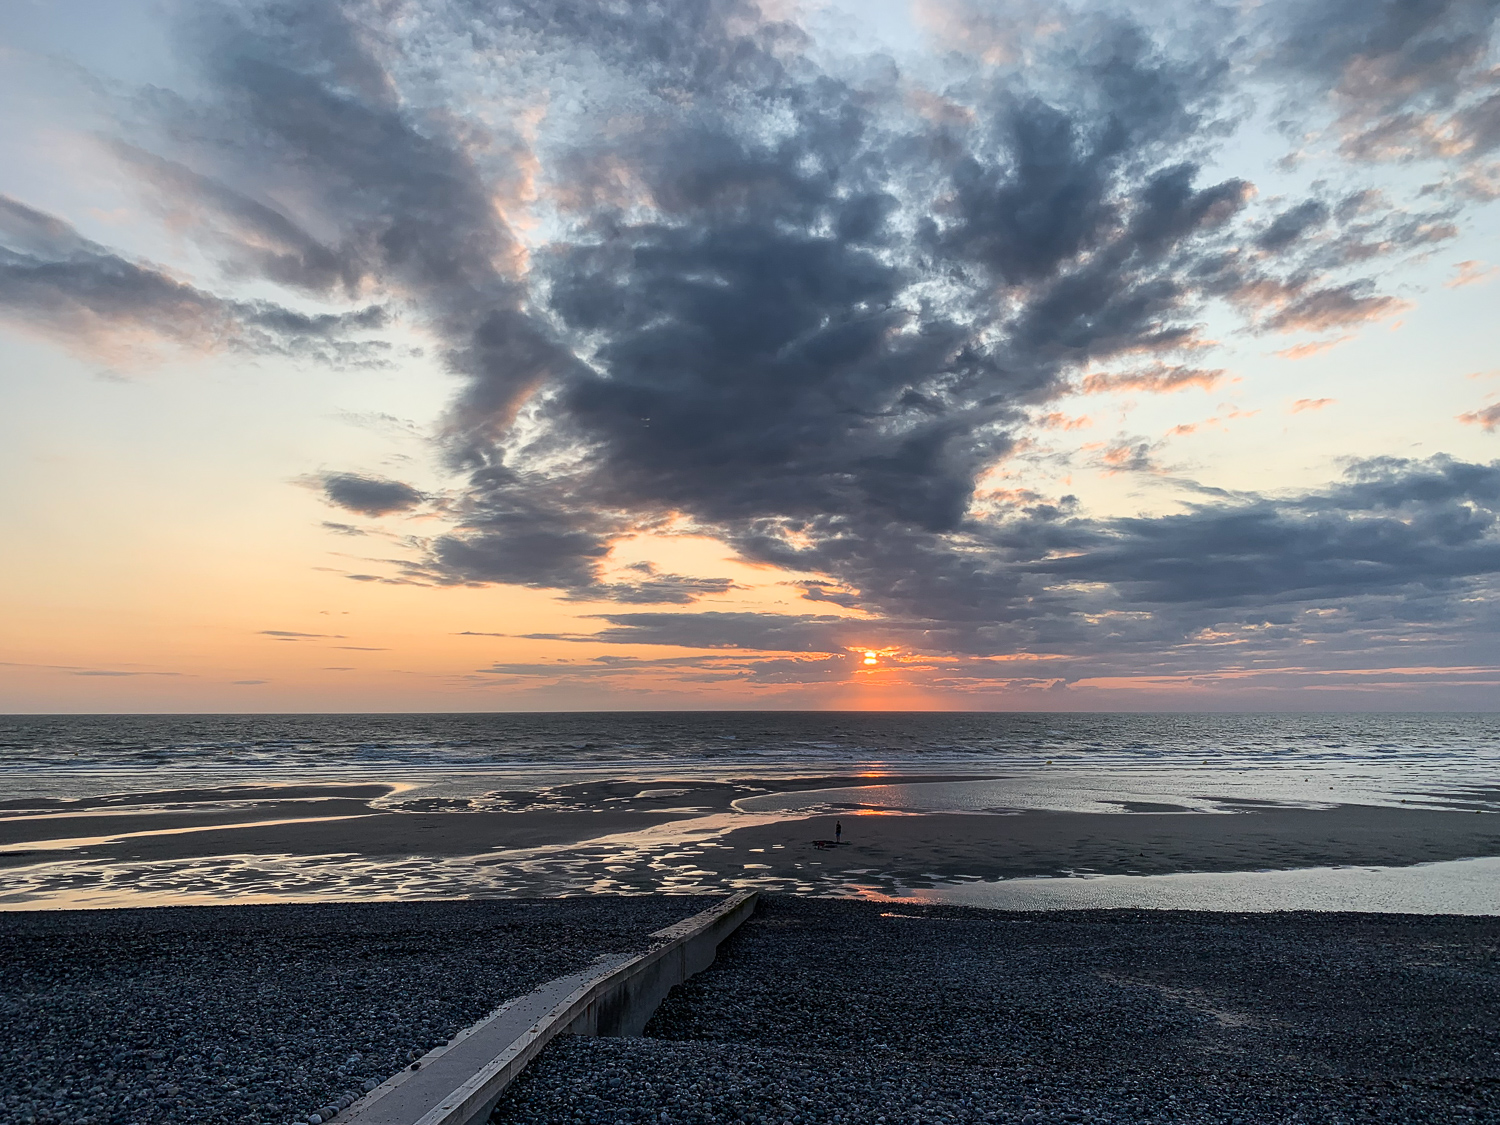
(49, 831)
(193, 796)
(364, 834)
(913, 849)
(668, 834)
(364, 820)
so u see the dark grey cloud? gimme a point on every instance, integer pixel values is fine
(1292, 224)
(113, 673)
(762, 351)
(55, 280)
(1406, 79)
(75, 670)
(818, 591)
(1395, 551)
(654, 588)
(526, 530)
(1411, 49)
(303, 106)
(802, 306)
(688, 671)
(369, 496)
(1394, 524)
(1331, 307)
(773, 632)
(254, 237)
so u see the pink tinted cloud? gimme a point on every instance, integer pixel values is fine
(1313, 347)
(1129, 457)
(1487, 417)
(1159, 378)
(1310, 404)
(994, 34)
(1326, 309)
(1056, 420)
(1290, 306)
(1472, 272)
(1217, 422)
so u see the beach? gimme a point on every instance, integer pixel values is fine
(282, 913)
(899, 834)
(267, 1013)
(823, 1011)
(815, 1011)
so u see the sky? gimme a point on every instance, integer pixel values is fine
(448, 355)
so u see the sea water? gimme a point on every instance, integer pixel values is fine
(80, 752)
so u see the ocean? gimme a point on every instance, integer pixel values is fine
(286, 746)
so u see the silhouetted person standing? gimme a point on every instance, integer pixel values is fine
(838, 831)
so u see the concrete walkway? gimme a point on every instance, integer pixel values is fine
(459, 1083)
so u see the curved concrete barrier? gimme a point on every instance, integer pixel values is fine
(459, 1082)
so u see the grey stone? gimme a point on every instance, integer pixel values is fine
(248, 1013)
(901, 1013)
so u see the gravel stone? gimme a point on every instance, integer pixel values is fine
(267, 1015)
(827, 1011)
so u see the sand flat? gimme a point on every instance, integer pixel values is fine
(643, 835)
(56, 826)
(1057, 843)
(365, 834)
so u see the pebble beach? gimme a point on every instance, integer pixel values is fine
(241, 1015)
(821, 1011)
(285, 912)
(817, 1010)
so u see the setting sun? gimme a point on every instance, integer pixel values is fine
(871, 658)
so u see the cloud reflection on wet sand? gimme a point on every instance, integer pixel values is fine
(463, 837)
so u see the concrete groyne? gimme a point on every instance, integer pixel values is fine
(459, 1082)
